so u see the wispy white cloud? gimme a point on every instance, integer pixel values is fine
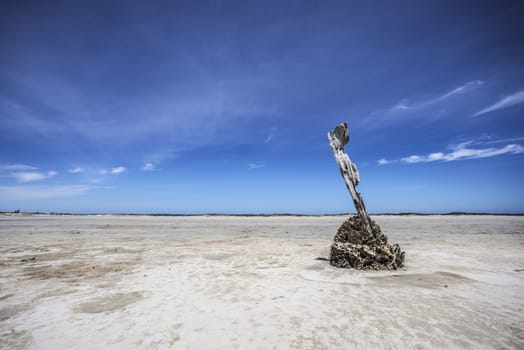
(471, 85)
(76, 170)
(407, 105)
(511, 139)
(25, 173)
(113, 171)
(270, 135)
(16, 167)
(171, 114)
(411, 108)
(30, 176)
(42, 192)
(255, 165)
(149, 167)
(462, 151)
(118, 170)
(508, 101)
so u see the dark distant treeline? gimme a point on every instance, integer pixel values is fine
(454, 213)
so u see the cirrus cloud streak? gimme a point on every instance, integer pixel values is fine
(461, 151)
(410, 108)
(508, 101)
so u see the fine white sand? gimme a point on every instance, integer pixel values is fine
(111, 282)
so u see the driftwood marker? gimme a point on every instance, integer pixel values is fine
(359, 242)
(338, 138)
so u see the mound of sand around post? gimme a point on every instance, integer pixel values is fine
(354, 247)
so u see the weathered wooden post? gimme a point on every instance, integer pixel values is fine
(359, 242)
(338, 138)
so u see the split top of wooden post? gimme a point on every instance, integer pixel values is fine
(339, 137)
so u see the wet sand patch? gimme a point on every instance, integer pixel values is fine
(108, 303)
(79, 269)
(436, 279)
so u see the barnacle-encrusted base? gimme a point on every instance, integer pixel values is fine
(354, 247)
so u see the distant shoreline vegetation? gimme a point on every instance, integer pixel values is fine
(454, 213)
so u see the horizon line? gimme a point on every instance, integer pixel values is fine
(453, 213)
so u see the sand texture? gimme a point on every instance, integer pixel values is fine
(111, 282)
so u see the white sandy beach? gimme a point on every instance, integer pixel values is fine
(115, 282)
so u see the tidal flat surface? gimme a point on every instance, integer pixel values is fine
(216, 282)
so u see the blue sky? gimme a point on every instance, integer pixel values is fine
(198, 107)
